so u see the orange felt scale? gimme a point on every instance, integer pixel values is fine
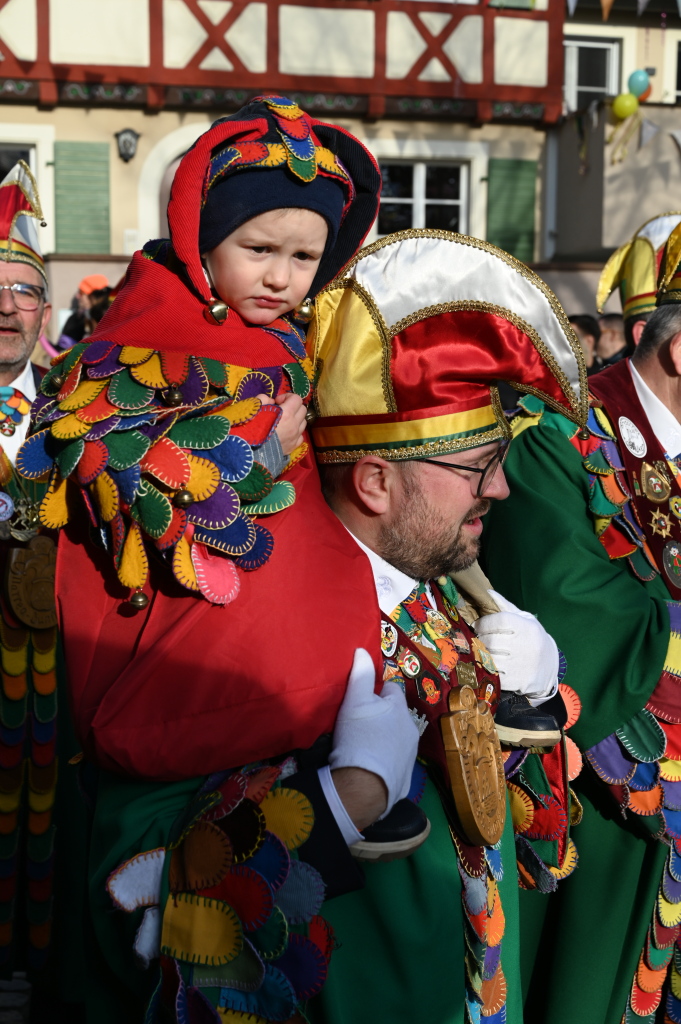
(167, 463)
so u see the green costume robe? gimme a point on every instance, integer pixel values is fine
(583, 946)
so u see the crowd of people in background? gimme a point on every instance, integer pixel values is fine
(603, 339)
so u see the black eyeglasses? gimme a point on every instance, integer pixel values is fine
(486, 473)
(26, 296)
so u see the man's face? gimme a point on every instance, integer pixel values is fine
(266, 267)
(19, 328)
(435, 527)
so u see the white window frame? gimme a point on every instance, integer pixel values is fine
(418, 199)
(429, 151)
(41, 139)
(574, 43)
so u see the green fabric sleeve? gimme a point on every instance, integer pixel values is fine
(541, 552)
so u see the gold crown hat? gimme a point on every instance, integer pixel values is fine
(634, 267)
(411, 340)
(19, 210)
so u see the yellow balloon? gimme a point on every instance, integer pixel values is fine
(624, 105)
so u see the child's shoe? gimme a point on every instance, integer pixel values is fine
(395, 836)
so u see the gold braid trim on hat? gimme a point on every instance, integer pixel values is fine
(441, 447)
(581, 405)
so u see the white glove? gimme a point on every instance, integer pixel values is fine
(525, 655)
(375, 732)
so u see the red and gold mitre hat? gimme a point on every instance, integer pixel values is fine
(19, 210)
(634, 267)
(411, 340)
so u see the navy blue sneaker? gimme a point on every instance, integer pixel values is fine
(395, 836)
(518, 724)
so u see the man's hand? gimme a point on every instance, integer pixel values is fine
(375, 733)
(291, 426)
(525, 655)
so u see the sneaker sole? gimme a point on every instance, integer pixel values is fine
(528, 737)
(389, 851)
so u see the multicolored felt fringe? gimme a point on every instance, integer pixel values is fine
(161, 448)
(28, 777)
(228, 906)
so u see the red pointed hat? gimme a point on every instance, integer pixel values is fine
(19, 210)
(410, 342)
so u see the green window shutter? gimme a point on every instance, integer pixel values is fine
(81, 185)
(510, 206)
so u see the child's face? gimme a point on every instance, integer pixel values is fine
(266, 267)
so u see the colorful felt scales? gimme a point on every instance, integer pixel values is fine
(28, 776)
(162, 449)
(13, 407)
(239, 932)
(424, 650)
(297, 150)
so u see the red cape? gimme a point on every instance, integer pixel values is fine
(184, 687)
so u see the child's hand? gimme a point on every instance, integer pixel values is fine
(292, 423)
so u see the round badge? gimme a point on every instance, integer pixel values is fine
(633, 439)
(671, 559)
(675, 505)
(6, 507)
(388, 639)
(410, 664)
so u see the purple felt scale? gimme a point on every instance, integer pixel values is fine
(514, 762)
(217, 511)
(107, 367)
(674, 864)
(272, 861)
(98, 351)
(304, 964)
(101, 429)
(195, 387)
(154, 429)
(492, 959)
(611, 452)
(610, 762)
(671, 888)
(260, 552)
(234, 458)
(199, 1010)
(41, 403)
(136, 421)
(646, 776)
(672, 794)
(257, 382)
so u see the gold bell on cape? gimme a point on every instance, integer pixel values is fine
(305, 311)
(139, 600)
(216, 312)
(183, 499)
(173, 396)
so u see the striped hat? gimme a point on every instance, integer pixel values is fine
(410, 341)
(19, 210)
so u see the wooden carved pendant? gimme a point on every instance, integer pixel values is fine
(476, 768)
(30, 582)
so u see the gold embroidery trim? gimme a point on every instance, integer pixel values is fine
(443, 447)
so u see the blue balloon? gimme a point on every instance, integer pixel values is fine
(638, 82)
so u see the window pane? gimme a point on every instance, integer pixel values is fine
(443, 181)
(9, 156)
(397, 181)
(592, 67)
(394, 217)
(587, 96)
(444, 218)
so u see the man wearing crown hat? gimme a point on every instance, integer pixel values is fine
(32, 851)
(408, 344)
(634, 269)
(590, 537)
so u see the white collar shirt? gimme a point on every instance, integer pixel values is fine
(392, 586)
(664, 424)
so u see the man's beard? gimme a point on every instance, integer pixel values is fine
(419, 541)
